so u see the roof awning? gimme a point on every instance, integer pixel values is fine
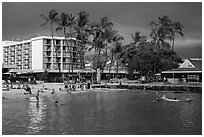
(165, 72)
(19, 71)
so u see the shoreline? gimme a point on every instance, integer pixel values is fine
(108, 87)
(153, 86)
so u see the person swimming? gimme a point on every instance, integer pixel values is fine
(53, 91)
(189, 99)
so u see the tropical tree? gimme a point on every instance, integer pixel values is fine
(52, 18)
(116, 49)
(161, 31)
(137, 39)
(82, 33)
(67, 21)
(103, 33)
(176, 28)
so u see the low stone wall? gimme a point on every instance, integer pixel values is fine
(190, 88)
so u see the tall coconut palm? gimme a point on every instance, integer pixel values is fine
(161, 31)
(176, 28)
(67, 21)
(82, 30)
(104, 34)
(52, 18)
(137, 38)
(115, 49)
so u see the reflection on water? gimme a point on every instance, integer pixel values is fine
(37, 113)
(104, 113)
(187, 115)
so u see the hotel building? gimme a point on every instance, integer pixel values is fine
(39, 54)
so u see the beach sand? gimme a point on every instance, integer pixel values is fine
(47, 90)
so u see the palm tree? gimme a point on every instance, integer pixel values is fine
(67, 21)
(52, 18)
(137, 38)
(176, 28)
(82, 30)
(161, 31)
(115, 49)
(103, 34)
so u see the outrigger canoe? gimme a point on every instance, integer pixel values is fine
(171, 100)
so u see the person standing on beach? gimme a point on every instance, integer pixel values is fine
(28, 89)
(67, 89)
(38, 94)
(53, 91)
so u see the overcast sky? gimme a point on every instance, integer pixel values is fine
(22, 20)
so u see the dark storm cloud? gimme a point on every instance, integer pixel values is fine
(22, 20)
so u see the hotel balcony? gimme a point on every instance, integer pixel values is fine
(26, 67)
(12, 54)
(19, 58)
(26, 52)
(26, 62)
(55, 66)
(26, 57)
(6, 50)
(18, 52)
(66, 67)
(19, 63)
(47, 53)
(66, 54)
(47, 48)
(58, 54)
(12, 58)
(66, 60)
(19, 67)
(5, 54)
(46, 66)
(26, 47)
(12, 49)
(46, 60)
(47, 42)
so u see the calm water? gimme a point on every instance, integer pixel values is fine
(104, 113)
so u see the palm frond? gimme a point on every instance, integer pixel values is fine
(44, 17)
(152, 23)
(53, 14)
(43, 24)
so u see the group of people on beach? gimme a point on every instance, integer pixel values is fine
(189, 99)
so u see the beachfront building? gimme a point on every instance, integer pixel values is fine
(39, 55)
(190, 71)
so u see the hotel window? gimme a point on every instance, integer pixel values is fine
(47, 41)
(58, 42)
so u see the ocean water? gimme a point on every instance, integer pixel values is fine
(103, 113)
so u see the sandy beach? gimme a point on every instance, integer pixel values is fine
(47, 89)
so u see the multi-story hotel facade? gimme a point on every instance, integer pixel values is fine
(39, 54)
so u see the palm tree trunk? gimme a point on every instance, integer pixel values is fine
(116, 66)
(173, 43)
(72, 63)
(58, 63)
(110, 66)
(82, 52)
(105, 60)
(98, 63)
